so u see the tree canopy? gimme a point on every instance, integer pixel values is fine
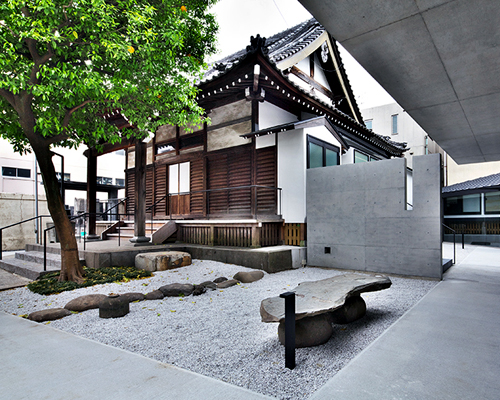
(65, 63)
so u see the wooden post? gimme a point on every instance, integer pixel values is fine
(140, 194)
(256, 236)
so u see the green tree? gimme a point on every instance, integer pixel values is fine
(63, 63)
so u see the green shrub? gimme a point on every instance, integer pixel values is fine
(48, 284)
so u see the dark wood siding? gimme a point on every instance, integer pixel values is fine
(150, 184)
(161, 190)
(196, 183)
(130, 192)
(229, 170)
(266, 175)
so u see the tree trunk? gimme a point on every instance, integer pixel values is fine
(71, 270)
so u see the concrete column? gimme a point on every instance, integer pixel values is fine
(140, 194)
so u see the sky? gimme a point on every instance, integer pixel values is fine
(238, 20)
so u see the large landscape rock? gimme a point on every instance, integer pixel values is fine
(226, 284)
(177, 289)
(50, 314)
(154, 295)
(311, 331)
(84, 303)
(353, 309)
(249, 277)
(133, 296)
(162, 260)
(323, 296)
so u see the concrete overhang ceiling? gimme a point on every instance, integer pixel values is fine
(439, 59)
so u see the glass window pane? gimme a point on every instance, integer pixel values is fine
(369, 124)
(315, 155)
(331, 158)
(395, 124)
(8, 171)
(23, 173)
(492, 203)
(360, 157)
(472, 203)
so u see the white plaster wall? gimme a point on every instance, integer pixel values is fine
(319, 74)
(292, 167)
(348, 157)
(292, 175)
(265, 141)
(460, 173)
(271, 115)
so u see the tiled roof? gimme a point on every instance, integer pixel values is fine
(284, 45)
(280, 46)
(489, 181)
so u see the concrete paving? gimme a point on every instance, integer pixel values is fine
(445, 347)
(39, 362)
(11, 281)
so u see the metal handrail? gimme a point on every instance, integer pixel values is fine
(454, 242)
(19, 223)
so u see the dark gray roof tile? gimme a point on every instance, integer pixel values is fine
(479, 183)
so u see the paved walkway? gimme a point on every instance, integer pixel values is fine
(446, 347)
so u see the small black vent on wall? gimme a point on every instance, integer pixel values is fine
(328, 250)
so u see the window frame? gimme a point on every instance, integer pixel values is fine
(16, 170)
(324, 145)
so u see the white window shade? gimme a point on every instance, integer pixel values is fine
(184, 183)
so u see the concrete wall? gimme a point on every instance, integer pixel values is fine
(15, 208)
(358, 211)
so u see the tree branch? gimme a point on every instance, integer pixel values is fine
(9, 96)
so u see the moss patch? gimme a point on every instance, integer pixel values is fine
(48, 284)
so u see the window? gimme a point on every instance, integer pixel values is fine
(178, 178)
(360, 157)
(16, 172)
(66, 177)
(120, 182)
(165, 148)
(321, 154)
(460, 205)
(394, 124)
(369, 124)
(492, 203)
(102, 180)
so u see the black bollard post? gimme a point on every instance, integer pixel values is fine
(289, 329)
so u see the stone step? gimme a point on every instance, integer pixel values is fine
(28, 269)
(447, 263)
(53, 260)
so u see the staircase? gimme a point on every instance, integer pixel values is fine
(159, 232)
(29, 263)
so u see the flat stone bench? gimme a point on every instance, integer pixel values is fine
(318, 304)
(162, 260)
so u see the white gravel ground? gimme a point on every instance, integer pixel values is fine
(219, 334)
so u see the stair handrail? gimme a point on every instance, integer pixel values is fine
(454, 242)
(116, 205)
(19, 223)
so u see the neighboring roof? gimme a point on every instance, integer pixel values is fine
(485, 183)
